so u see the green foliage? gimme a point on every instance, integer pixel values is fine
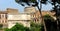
(18, 27)
(36, 27)
(48, 17)
(6, 29)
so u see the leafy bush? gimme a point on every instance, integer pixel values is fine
(18, 27)
(36, 27)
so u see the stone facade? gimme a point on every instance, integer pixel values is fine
(15, 17)
(3, 19)
(37, 15)
(12, 11)
(29, 9)
(11, 16)
(18, 18)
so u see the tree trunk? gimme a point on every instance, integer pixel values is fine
(42, 16)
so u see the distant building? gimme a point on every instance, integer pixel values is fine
(12, 11)
(32, 12)
(11, 16)
(18, 18)
(37, 16)
(29, 9)
(3, 19)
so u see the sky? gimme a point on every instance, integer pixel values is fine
(4, 4)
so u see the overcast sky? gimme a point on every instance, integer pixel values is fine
(4, 4)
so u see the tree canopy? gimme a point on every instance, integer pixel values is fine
(28, 2)
(55, 4)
